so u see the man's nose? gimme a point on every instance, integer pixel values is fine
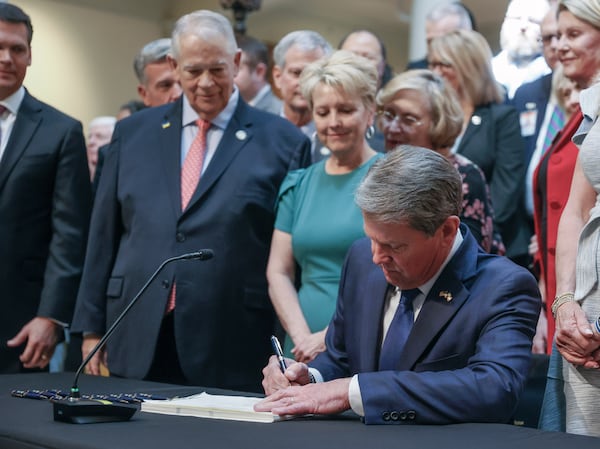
(379, 255)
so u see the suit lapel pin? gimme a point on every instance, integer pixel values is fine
(446, 295)
(165, 125)
(476, 120)
(240, 134)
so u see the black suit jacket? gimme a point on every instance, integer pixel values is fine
(532, 97)
(493, 141)
(223, 316)
(45, 202)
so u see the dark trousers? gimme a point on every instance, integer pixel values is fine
(165, 366)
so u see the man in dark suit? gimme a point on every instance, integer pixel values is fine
(459, 353)
(45, 201)
(253, 77)
(206, 323)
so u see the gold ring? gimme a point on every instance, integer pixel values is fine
(44, 357)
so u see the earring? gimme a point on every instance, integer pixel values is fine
(370, 132)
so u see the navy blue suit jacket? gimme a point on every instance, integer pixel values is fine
(223, 316)
(45, 203)
(533, 96)
(466, 358)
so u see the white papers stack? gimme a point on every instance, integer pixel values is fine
(204, 405)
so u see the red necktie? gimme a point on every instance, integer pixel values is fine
(190, 176)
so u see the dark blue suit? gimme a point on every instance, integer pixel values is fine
(223, 316)
(529, 97)
(465, 360)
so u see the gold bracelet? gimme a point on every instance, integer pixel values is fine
(560, 300)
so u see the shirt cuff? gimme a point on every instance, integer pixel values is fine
(354, 396)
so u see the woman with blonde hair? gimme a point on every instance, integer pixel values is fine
(576, 307)
(317, 219)
(491, 134)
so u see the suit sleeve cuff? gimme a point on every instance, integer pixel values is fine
(355, 397)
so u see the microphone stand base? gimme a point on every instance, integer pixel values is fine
(87, 411)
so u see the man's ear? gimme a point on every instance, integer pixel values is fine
(142, 92)
(237, 59)
(261, 70)
(276, 76)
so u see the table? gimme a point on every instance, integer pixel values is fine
(28, 424)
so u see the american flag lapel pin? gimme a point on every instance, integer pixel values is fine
(446, 295)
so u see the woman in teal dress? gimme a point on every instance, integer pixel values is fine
(317, 219)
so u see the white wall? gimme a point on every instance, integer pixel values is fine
(82, 57)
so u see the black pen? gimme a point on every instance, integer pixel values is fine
(278, 352)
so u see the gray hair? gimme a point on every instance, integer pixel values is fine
(451, 9)
(585, 10)
(103, 120)
(206, 24)
(307, 40)
(442, 103)
(344, 71)
(411, 185)
(152, 52)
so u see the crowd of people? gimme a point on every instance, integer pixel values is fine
(410, 235)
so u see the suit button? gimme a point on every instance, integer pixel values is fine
(385, 416)
(180, 237)
(411, 415)
(394, 416)
(402, 416)
(555, 205)
(165, 284)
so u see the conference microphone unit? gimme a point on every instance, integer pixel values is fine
(77, 410)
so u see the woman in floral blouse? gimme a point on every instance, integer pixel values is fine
(418, 108)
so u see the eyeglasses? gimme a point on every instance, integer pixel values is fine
(407, 122)
(548, 38)
(438, 65)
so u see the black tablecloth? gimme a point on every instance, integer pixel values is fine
(28, 423)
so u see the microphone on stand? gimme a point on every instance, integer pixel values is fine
(82, 411)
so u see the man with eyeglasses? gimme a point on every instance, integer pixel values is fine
(520, 60)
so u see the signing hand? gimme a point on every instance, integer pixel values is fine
(41, 335)
(274, 379)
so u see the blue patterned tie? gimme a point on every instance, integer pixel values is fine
(398, 332)
(557, 121)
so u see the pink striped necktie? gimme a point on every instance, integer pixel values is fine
(192, 165)
(190, 176)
